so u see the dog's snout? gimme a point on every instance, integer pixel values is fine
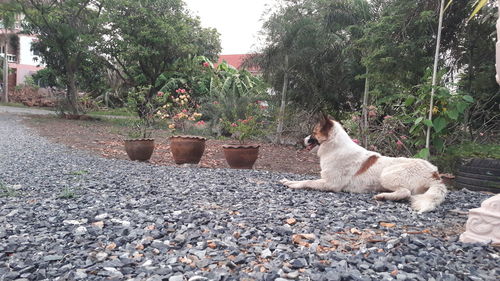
(306, 140)
(310, 140)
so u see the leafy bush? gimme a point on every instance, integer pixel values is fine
(449, 161)
(251, 126)
(180, 111)
(232, 94)
(139, 101)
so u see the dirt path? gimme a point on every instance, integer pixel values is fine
(106, 140)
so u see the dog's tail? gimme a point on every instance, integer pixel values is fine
(429, 200)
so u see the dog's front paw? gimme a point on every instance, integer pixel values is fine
(292, 184)
(379, 196)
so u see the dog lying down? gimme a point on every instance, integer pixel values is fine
(346, 166)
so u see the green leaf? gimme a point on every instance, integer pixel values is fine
(439, 124)
(461, 106)
(423, 154)
(410, 100)
(480, 4)
(427, 122)
(453, 114)
(418, 120)
(413, 128)
(438, 143)
(468, 98)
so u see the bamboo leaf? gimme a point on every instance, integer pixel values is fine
(447, 5)
(479, 6)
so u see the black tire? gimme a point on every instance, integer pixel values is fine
(478, 182)
(485, 163)
(479, 171)
(479, 175)
(476, 188)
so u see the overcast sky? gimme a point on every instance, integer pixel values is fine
(238, 21)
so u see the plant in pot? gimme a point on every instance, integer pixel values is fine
(140, 145)
(242, 155)
(181, 115)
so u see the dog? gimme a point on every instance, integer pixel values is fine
(346, 166)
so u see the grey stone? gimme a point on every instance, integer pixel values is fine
(176, 278)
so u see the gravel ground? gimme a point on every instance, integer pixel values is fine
(68, 215)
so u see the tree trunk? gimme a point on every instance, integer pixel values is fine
(71, 94)
(281, 117)
(6, 72)
(364, 129)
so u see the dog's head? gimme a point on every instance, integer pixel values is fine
(321, 132)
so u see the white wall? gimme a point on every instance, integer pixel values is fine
(26, 56)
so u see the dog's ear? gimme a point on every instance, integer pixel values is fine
(325, 124)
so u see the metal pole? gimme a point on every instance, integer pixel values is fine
(498, 46)
(434, 73)
(365, 111)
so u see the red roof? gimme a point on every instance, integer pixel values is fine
(236, 61)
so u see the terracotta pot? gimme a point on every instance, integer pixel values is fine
(187, 149)
(139, 149)
(241, 156)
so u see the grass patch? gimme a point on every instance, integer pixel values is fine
(474, 150)
(7, 191)
(20, 105)
(79, 173)
(13, 104)
(67, 193)
(114, 112)
(450, 160)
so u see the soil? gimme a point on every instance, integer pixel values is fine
(106, 139)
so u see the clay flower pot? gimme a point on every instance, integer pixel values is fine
(139, 149)
(187, 149)
(241, 156)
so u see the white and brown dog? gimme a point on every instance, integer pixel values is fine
(346, 166)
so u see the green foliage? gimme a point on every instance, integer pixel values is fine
(193, 74)
(317, 37)
(180, 110)
(232, 94)
(66, 31)
(47, 77)
(475, 150)
(448, 114)
(7, 191)
(147, 37)
(250, 127)
(67, 193)
(79, 172)
(139, 101)
(449, 161)
(113, 112)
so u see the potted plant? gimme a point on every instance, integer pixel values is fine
(140, 145)
(242, 155)
(181, 115)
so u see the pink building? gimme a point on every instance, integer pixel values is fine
(23, 61)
